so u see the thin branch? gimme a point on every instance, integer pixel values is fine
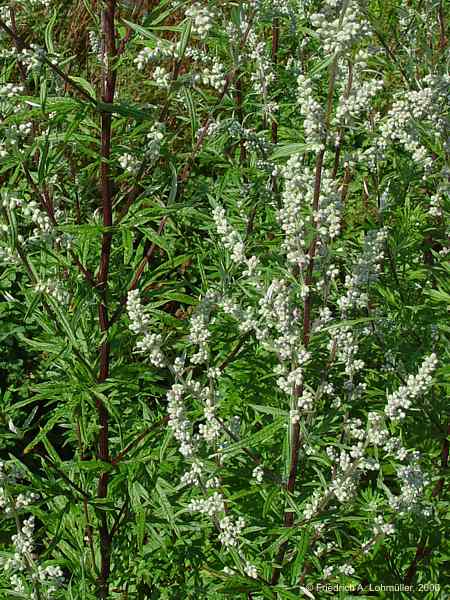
(22, 44)
(138, 439)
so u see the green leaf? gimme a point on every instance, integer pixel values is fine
(155, 238)
(87, 87)
(48, 34)
(53, 420)
(290, 149)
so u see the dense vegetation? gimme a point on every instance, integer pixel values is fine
(224, 290)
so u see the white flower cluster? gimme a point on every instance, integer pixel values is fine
(210, 429)
(258, 474)
(199, 334)
(53, 288)
(343, 340)
(312, 112)
(380, 527)
(44, 227)
(32, 57)
(162, 77)
(230, 530)
(231, 239)
(297, 198)
(8, 503)
(154, 140)
(366, 271)
(95, 43)
(297, 201)
(15, 137)
(276, 313)
(413, 483)
(377, 434)
(129, 163)
(346, 569)
(269, 8)
(21, 567)
(435, 209)
(150, 343)
(214, 507)
(399, 402)
(422, 106)
(10, 103)
(202, 19)
(10, 90)
(213, 76)
(193, 476)
(234, 243)
(263, 74)
(38, 3)
(328, 217)
(179, 422)
(161, 51)
(362, 92)
(149, 153)
(339, 32)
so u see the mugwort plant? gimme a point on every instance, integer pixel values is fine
(224, 299)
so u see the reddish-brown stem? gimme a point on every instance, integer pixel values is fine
(443, 40)
(18, 46)
(108, 89)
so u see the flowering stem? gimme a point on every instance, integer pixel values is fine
(275, 46)
(307, 321)
(422, 551)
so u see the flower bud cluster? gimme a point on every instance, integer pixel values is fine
(202, 19)
(53, 288)
(150, 344)
(154, 138)
(262, 75)
(344, 342)
(231, 239)
(212, 76)
(417, 106)
(366, 271)
(129, 163)
(400, 401)
(358, 99)
(95, 43)
(21, 567)
(312, 112)
(162, 77)
(161, 51)
(328, 216)
(413, 482)
(339, 31)
(33, 57)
